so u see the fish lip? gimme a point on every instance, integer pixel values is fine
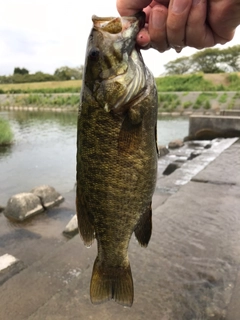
(125, 21)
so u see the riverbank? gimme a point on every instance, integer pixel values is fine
(190, 269)
(170, 103)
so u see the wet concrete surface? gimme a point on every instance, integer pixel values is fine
(190, 270)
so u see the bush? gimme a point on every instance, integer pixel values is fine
(223, 98)
(6, 134)
(194, 82)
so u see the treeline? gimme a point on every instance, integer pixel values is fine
(212, 60)
(22, 75)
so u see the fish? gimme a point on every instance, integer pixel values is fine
(116, 153)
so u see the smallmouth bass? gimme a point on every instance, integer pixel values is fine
(116, 153)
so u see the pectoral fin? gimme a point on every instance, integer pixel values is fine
(130, 136)
(143, 229)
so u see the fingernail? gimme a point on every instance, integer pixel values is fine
(179, 6)
(142, 39)
(158, 19)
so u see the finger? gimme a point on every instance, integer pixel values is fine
(178, 12)
(157, 28)
(129, 8)
(143, 38)
(223, 17)
(198, 34)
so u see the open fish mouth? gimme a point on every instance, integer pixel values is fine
(114, 25)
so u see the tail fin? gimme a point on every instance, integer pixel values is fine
(111, 283)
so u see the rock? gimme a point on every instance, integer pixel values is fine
(1, 209)
(9, 266)
(22, 206)
(175, 144)
(72, 227)
(194, 154)
(171, 168)
(48, 195)
(162, 151)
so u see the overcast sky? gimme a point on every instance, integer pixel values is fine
(42, 35)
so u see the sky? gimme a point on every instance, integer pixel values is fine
(43, 35)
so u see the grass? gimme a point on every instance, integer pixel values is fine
(223, 98)
(193, 82)
(6, 134)
(168, 101)
(187, 104)
(71, 86)
(186, 83)
(203, 100)
(50, 100)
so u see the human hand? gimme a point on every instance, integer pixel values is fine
(180, 23)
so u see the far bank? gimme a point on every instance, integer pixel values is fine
(169, 103)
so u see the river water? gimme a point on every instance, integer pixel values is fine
(44, 150)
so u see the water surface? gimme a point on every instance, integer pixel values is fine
(44, 150)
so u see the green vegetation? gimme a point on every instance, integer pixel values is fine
(203, 100)
(41, 100)
(223, 98)
(6, 134)
(234, 82)
(210, 60)
(21, 75)
(184, 83)
(72, 86)
(194, 82)
(168, 101)
(187, 104)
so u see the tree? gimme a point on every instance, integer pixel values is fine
(207, 61)
(231, 58)
(211, 60)
(66, 73)
(179, 66)
(18, 70)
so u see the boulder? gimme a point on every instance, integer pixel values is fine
(175, 144)
(194, 154)
(48, 195)
(9, 266)
(171, 168)
(22, 206)
(162, 151)
(72, 227)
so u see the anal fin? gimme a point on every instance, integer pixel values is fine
(143, 229)
(111, 283)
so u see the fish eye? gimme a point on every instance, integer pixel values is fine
(94, 54)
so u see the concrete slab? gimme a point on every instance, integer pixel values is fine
(218, 171)
(35, 285)
(187, 272)
(233, 312)
(220, 126)
(9, 266)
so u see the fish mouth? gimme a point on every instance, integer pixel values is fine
(114, 25)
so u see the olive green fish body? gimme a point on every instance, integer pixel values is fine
(116, 171)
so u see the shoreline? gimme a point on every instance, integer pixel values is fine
(71, 109)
